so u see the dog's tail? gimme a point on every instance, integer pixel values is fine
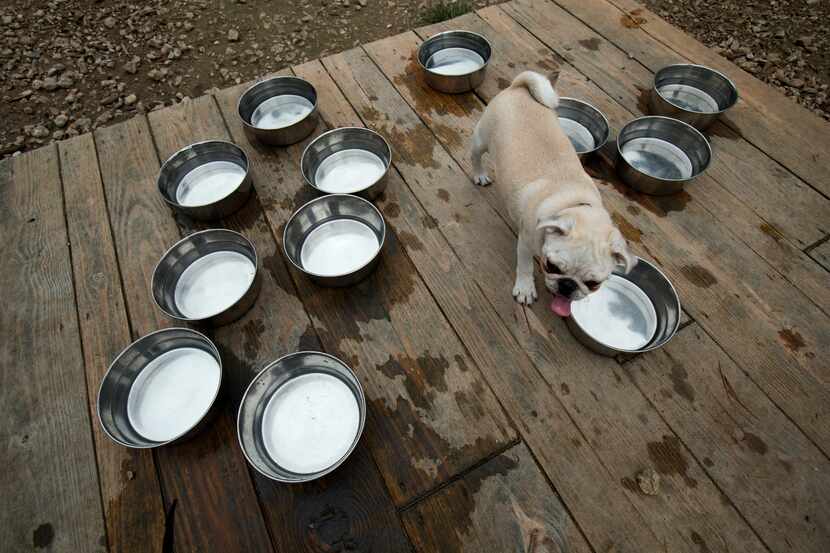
(538, 86)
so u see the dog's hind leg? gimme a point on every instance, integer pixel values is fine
(479, 147)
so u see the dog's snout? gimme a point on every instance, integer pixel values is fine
(567, 287)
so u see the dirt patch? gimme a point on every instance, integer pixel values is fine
(792, 339)
(591, 43)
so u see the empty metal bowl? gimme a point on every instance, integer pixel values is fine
(348, 160)
(207, 180)
(208, 277)
(160, 389)
(693, 94)
(279, 111)
(301, 417)
(659, 155)
(629, 313)
(336, 240)
(585, 126)
(454, 61)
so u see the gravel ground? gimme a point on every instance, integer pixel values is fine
(68, 66)
(785, 43)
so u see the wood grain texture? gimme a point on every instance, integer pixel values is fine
(758, 201)
(130, 490)
(504, 505)
(777, 479)
(431, 414)
(216, 507)
(748, 307)
(349, 509)
(784, 130)
(48, 483)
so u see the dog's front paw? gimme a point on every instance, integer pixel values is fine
(525, 290)
(482, 180)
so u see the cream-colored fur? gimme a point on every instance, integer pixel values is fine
(555, 205)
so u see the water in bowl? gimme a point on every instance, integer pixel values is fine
(658, 158)
(454, 61)
(213, 283)
(281, 111)
(349, 171)
(689, 98)
(338, 247)
(209, 183)
(581, 138)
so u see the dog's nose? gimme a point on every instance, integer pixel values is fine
(567, 287)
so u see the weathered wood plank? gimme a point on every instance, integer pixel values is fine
(216, 507)
(762, 204)
(784, 130)
(525, 395)
(777, 479)
(821, 254)
(746, 306)
(504, 505)
(130, 489)
(277, 324)
(431, 415)
(48, 483)
(565, 364)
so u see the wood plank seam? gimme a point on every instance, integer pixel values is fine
(816, 244)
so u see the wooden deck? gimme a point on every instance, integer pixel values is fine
(490, 429)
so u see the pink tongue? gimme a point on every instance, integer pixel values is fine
(561, 306)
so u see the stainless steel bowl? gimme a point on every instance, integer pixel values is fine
(585, 126)
(161, 389)
(348, 160)
(454, 61)
(659, 155)
(336, 240)
(206, 181)
(279, 111)
(209, 277)
(301, 417)
(630, 313)
(693, 94)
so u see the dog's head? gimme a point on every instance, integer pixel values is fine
(580, 247)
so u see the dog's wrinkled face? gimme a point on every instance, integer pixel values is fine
(580, 248)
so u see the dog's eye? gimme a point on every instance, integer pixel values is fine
(592, 284)
(552, 269)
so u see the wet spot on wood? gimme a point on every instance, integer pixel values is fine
(416, 145)
(721, 131)
(410, 241)
(392, 210)
(669, 460)
(576, 442)
(643, 99)
(446, 134)
(43, 536)
(791, 339)
(308, 340)
(331, 530)
(668, 204)
(252, 332)
(629, 231)
(443, 194)
(698, 540)
(629, 484)
(502, 83)
(633, 209)
(632, 20)
(699, 276)
(591, 43)
(425, 98)
(429, 221)
(708, 462)
(771, 231)
(565, 389)
(680, 384)
(754, 443)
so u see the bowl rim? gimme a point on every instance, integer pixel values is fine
(320, 199)
(673, 121)
(124, 351)
(598, 112)
(698, 66)
(188, 237)
(362, 406)
(455, 32)
(248, 125)
(387, 164)
(180, 151)
(650, 347)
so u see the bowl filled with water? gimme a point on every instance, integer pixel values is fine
(693, 94)
(347, 160)
(584, 125)
(454, 61)
(209, 277)
(279, 111)
(336, 239)
(659, 155)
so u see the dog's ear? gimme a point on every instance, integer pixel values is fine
(559, 225)
(620, 253)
